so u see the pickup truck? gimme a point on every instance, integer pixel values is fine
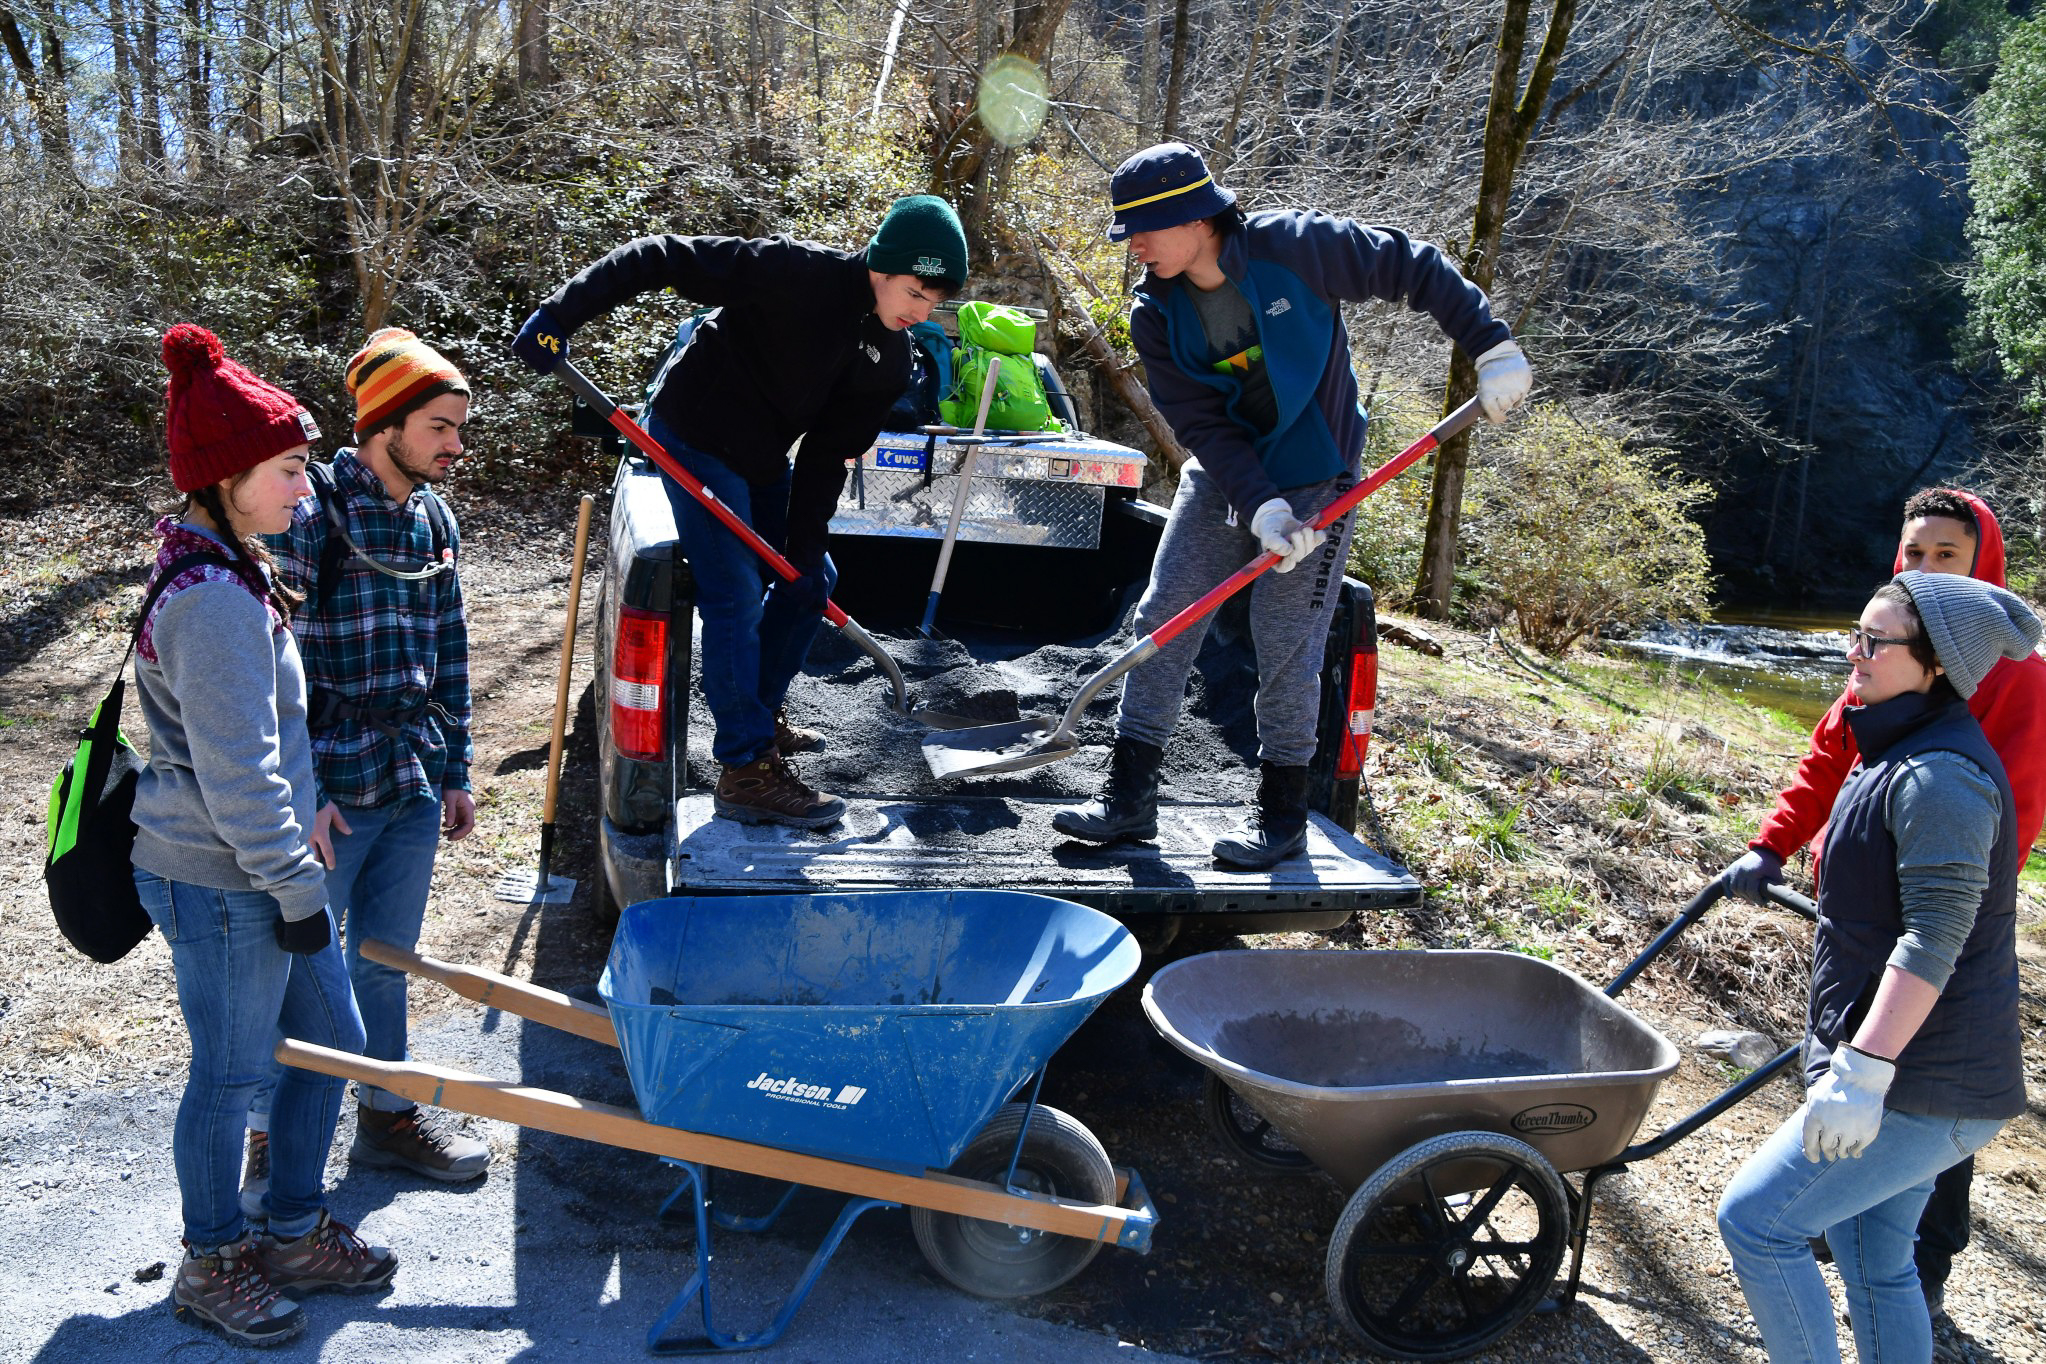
(1055, 549)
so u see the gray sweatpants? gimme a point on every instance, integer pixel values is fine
(1289, 617)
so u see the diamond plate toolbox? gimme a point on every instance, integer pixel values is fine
(1047, 490)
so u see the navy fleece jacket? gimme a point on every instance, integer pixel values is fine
(1296, 267)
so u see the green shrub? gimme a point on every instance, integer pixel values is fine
(1576, 530)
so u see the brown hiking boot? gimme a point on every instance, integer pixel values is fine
(789, 740)
(418, 1140)
(768, 791)
(226, 1290)
(331, 1255)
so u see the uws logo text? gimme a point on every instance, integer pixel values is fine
(790, 1088)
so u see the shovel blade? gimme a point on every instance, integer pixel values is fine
(526, 888)
(988, 749)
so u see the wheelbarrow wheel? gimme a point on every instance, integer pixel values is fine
(1448, 1245)
(1245, 1131)
(996, 1260)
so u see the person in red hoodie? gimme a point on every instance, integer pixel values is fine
(1945, 531)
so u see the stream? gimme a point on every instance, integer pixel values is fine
(1788, 661)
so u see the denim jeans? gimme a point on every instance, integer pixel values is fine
(757, 628)
(1867, 1209)
(377, 887)
(238, 989)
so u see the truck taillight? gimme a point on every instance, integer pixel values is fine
(1363, 698)
(639, 670)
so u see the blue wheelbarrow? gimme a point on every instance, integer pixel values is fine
(867, 1044)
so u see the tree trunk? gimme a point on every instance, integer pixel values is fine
(1225, 145)
(1147, 70)
(127, 132)
(44, 93)
(255, 57)
(149, 72)
(960, 165)
(1335, 58)
(1177, 78)
(536, 23)
(198, 96)
(1509, 123)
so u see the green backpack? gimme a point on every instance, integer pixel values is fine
(987, 330)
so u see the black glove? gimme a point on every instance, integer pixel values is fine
(543, 342)
(306, 936)
(1759, 868)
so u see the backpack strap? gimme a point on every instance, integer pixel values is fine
(104, 728)
(339, 545)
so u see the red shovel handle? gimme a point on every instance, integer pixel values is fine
(1333, 512)
(668, 465)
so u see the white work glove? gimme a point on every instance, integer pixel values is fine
(1284, 534)
(1503, 381)
(1844, 1109)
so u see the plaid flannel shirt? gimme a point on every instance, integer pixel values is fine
(383, 643)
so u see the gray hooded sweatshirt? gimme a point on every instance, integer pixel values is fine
(227, 800)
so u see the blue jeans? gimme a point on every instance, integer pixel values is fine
(238, 989)
(377, 887)
(1867, 1209)
(757, 628)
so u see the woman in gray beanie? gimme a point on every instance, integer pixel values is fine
(1913, 1056)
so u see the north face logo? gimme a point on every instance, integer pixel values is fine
(873, 352)
(1279, 306)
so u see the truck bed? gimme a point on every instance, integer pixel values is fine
(965, 842)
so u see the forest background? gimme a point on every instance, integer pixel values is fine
(1777, 264)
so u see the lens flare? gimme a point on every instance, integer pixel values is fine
(1014, 99)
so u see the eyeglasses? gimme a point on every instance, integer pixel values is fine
(1865, 642)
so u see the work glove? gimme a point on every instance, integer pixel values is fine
(305, 936)
(1503, 380)
(1284, 534)
(1757, 869)
(1844, 1109)
(543, 342)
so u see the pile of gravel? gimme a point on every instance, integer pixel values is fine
(993, 679)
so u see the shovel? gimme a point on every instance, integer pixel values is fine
(540, 887)
(580, 385)
(929, 628)
(1024, 744)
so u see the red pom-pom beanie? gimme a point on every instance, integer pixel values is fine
(220, 418)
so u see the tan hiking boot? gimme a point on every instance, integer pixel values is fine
(789, 740)
(256, 1176)
(768, 791)
(330, 1256)
(226, 1290)
(419, 1140)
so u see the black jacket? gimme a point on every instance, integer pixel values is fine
(794, 351)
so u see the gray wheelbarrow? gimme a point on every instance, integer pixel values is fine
(1448, 1090)
(1019, 745)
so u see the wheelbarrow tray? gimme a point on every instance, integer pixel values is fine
(1356, 1056)
(882, 1029)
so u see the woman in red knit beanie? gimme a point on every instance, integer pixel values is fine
(222, 859)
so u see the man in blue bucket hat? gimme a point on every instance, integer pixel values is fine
(1238, 321)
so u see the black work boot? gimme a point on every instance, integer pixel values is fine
(1128, 804)
(1276, 827)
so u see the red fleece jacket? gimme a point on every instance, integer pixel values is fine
(2010, 705)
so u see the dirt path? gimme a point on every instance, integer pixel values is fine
(1238, 1265)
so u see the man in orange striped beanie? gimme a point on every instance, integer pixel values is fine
(386, 649)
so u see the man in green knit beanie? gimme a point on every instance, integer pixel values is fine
(808, 343)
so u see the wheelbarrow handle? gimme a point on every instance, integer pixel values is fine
(1144, 648)
(599, 402)
(1715, 890)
